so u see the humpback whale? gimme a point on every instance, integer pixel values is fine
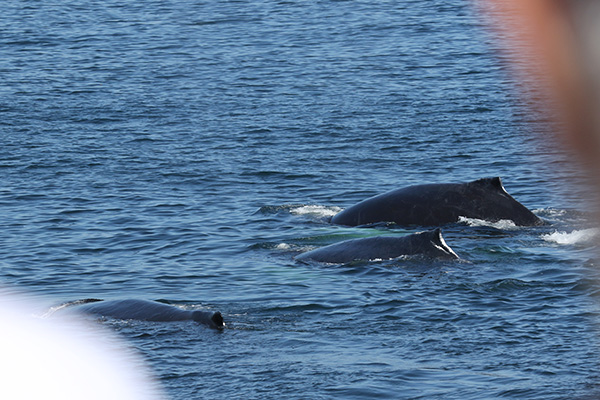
(439, 204)
(146, 310)
(428, 244)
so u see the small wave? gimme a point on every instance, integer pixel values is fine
(553, 215)
(550, 212)
(301, 209)
(279, 247)
(505, 224)
(582, 236)
(318, 211)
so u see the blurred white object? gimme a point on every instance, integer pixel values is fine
(65, 358)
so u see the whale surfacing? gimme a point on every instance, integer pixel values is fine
(146, 310)
(429, 244)
(439, 204)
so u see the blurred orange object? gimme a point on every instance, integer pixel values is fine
(552, 42)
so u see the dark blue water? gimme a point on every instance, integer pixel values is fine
(187, 151)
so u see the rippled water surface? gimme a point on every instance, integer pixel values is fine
(187, 151)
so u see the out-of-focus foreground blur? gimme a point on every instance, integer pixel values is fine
(552, 43)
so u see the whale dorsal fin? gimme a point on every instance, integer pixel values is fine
(212, 319)
(217, 318)
(86, 301)
(494, 182)
(437, 236)
(438, 240)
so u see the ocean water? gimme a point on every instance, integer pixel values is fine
(187, 151)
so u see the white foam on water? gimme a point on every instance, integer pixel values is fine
(505, 224)
(575, 237)
(283, 246)
(318, 211)
(550, 212)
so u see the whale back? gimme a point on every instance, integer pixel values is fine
(143, 310)
(439, 204)
(428, 244)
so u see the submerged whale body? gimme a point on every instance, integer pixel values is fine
(428, 244)
(146, 310)
(439, 204)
